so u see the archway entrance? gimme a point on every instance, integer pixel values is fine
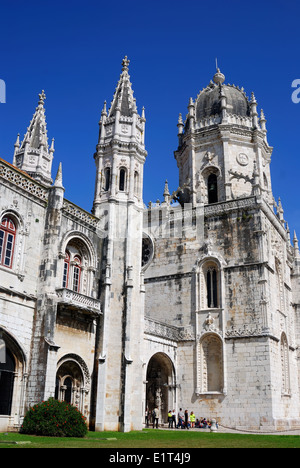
(160, 388)
(73, 382)
(12, 381)
(7, 375)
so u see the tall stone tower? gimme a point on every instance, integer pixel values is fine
(120, 158)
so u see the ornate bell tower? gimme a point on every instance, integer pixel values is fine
(223, 153)
(120, 154)
(120, 159)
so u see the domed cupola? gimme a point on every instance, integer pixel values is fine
(209, 100)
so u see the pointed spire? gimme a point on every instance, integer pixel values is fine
(17, 147)
(262, 121)
(36, 134)
(123, 99)
(17, 144)
(296, 246)
(253, 107)
(36, 155)
(51, 150)
(280, 211)
(288, 233)
(166, 193)
(58, 180)
(104, 112)
(56, 199)
(180, 124)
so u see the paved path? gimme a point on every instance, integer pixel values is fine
(223, 429)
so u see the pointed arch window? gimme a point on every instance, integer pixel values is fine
(209, 285)
(72, 271)
(107, 179)
(66, 270)
(212, 287)
(8, 232)
(76, 273)
(212, 187)
(285, 370)
(68, 390)
(122, 180)
(7, 371)
(136, 183)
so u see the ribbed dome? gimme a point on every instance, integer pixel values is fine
(208, 102)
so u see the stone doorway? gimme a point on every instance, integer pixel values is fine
(160, 388)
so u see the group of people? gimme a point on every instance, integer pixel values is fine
(183, 419)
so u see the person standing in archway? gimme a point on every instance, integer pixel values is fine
(186, 419)
(173, 418)
(155, 417)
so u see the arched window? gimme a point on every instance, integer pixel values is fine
(66, 270)
(122, 180)
(212, 188)
(136, 183)
(76, 273)
(7, 241)
(212, 287)
(209, 285)
(285, 371)
(73, 382)
(107, 179)
(7, 371)
(68, 390)
(72, 271)
(77, 268)
(172, 224)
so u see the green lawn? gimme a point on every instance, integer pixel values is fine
(152, 439)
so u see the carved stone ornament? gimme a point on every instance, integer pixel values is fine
(242, 159)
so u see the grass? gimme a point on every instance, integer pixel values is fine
(152, 439)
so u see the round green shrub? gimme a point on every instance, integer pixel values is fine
(54, 418)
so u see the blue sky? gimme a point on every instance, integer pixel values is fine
(73, 50)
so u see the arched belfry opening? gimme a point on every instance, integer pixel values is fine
(160, 387)
(212, 188)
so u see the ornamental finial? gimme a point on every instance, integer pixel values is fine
(219, 78)
(42, 97)
(125, 63)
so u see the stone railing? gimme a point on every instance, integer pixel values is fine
(153, 327)
(79, 214)
(78, 301)
(23, 181)
(230, 205)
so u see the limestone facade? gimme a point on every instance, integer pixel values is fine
(191, 302)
